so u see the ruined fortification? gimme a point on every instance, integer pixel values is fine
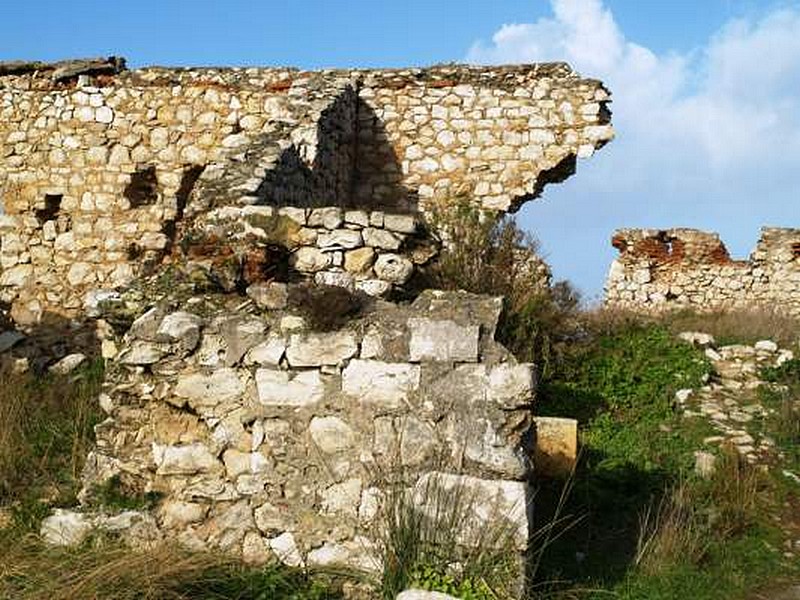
(104, 170)
(183, 209)
(687, 268)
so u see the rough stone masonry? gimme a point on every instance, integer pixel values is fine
(686, 268)
(232, 188)
(103, 170)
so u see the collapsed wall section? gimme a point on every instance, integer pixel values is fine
(677, 268)
(269, 440)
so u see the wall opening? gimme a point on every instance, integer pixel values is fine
(142, 190)
(796, 249)
(52, 206)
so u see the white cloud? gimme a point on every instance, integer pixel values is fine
(709, 138)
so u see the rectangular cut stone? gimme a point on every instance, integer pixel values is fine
(386, 385)
(317, 349)
(490, 504)
(443, 341)
(275, 388)
(556, 446)
(512, 385)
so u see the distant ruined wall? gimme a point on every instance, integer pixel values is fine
(675, 268)
(103, 173)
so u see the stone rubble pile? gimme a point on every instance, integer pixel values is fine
(729, 401)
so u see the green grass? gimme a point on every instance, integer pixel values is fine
(637, 450)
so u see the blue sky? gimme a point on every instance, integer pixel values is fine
(707, 92)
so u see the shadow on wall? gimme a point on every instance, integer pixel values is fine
(48, 342)
(348, 161)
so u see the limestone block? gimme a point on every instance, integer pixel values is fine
(328, 217)
(493, 504)
(340, 238)
(336, 278)
(239, 463)
(359, 260)
(485, 446)
(68, 364)
(556, 449)
(358, 554)
(267, 353)
(286, 550)
(240, 334)
(269, 518)
(16, 276)
(393, 268)
(380, 384)
(277, 388)
(175, 514)
(512, 385)
(181, 328)
(141, 353)
(373, 287)
(342, 498)
(269, 295)
(380, 238)
(310, 260)
(317, 349)
(357, 217)
(223, 385)
(187, 459)
(331, 434)
(442, 340)
(65, 528)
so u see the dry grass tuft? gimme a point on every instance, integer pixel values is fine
(46, 430)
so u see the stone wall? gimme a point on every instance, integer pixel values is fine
(102, 170)
(266, 439)
(677, 268)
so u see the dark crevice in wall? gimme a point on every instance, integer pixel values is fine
(191, 174)
(142, 190)
(52, 206)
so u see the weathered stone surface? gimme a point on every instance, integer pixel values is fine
(331, 434)
(285, 549)
(269, 352)
(393, 268)
(378, 383)
(200, 389)
(65, 528)
(492, 501)
(142, 353)
(68, 364)
(444, 341)
(183, 460)
(277, 388)
(512, 385)
(359, 260)
(317, 349)
(269, 295)
(310, 260)
(556, 445)
(182, 328)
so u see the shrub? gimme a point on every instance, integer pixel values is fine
(487, 253)
(326, 307)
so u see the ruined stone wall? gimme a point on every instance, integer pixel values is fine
(676, 268)
(266, 439)
(101, 174)
(495, 135)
